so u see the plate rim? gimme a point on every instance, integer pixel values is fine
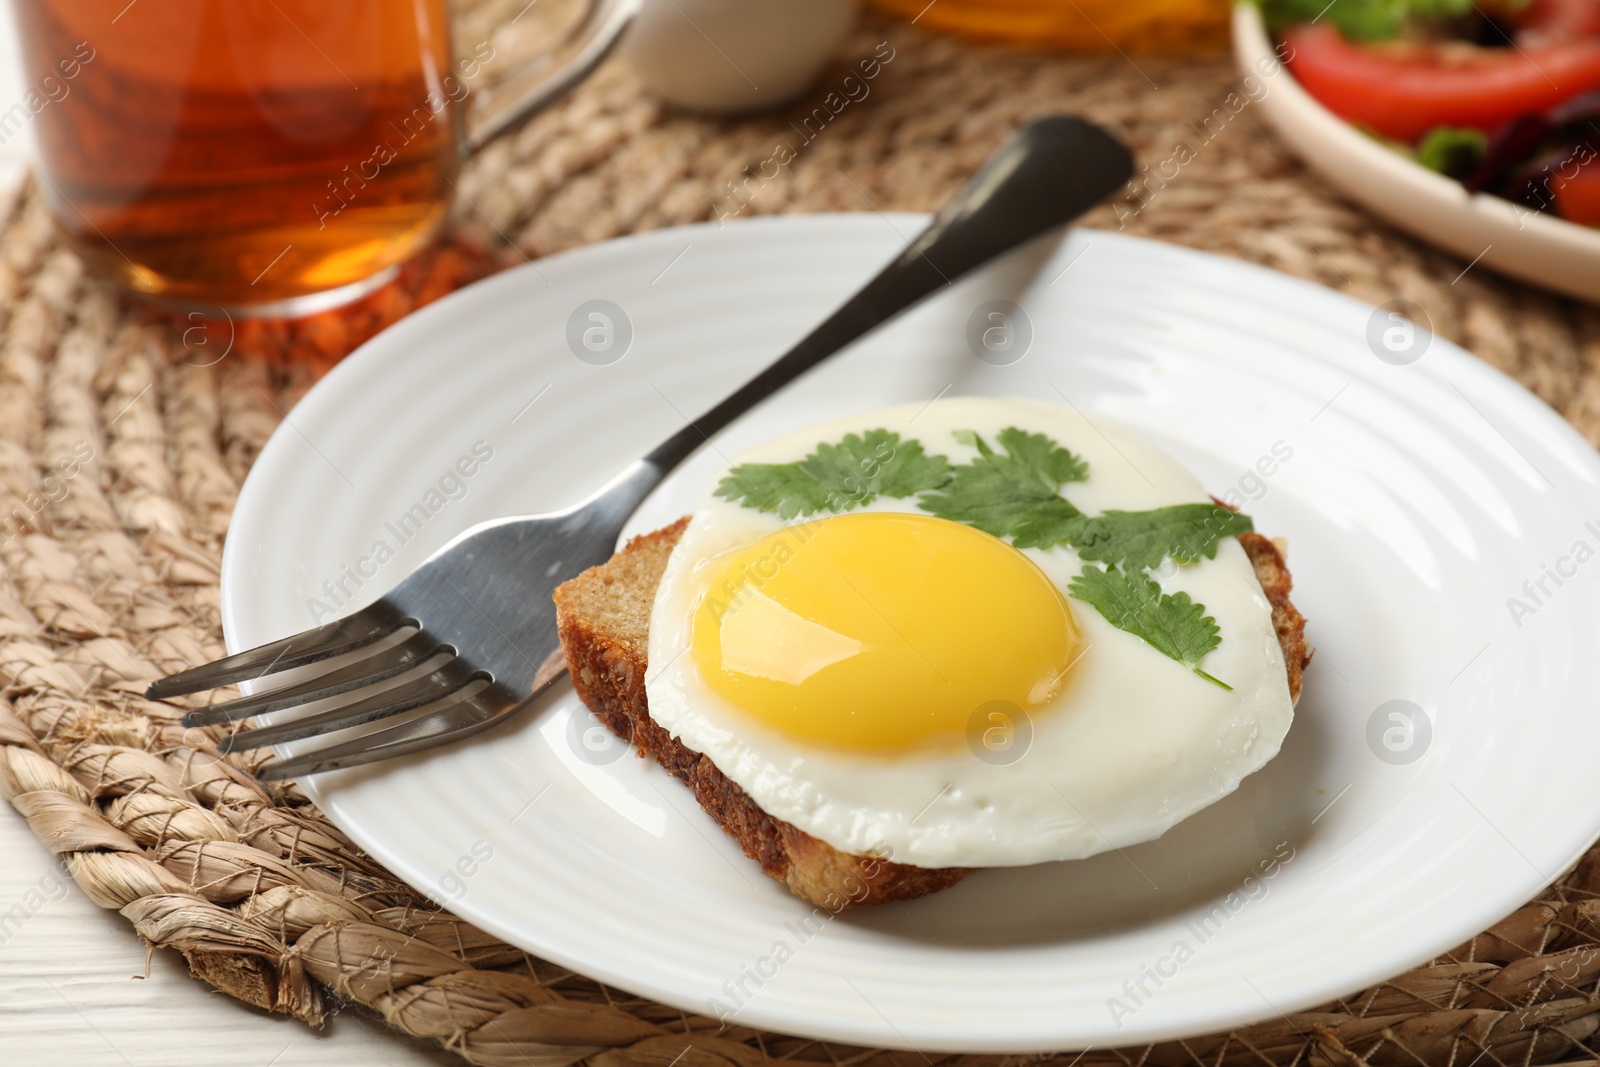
(354, 368)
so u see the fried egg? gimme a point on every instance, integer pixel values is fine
(903, 685)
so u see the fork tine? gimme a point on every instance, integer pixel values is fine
(323, 642)
(411, 652)
(487, 705)
(439, 684)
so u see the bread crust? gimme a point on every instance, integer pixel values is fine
(1266, 556)
(603, 615)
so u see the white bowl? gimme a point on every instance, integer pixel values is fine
(1509, 238)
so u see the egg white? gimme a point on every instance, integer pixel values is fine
(1133, 744)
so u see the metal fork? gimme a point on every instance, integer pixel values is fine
(473, 635)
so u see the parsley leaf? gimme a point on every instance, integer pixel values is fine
(1015, 494)
(838, 477)
(1452, 151)
(1173, 625)
(1135, 540)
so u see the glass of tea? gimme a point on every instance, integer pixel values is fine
(267, 157)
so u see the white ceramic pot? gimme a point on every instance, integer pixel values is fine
(734, 55)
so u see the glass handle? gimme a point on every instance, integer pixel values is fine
(542, 81)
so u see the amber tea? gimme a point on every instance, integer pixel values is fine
(244, 154)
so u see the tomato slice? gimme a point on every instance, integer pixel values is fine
(1578, 198)
(1403, 89)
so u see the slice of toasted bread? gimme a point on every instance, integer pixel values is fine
(604, 619)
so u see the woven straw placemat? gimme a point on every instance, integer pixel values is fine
(108, 574)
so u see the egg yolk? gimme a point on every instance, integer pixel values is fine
(879, 632)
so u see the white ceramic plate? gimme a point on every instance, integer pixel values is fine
(1416, 499)
(1509, 238)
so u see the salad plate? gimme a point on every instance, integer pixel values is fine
(1483, 230)
(1442, 525)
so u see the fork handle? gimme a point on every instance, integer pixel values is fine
(1047, 174)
